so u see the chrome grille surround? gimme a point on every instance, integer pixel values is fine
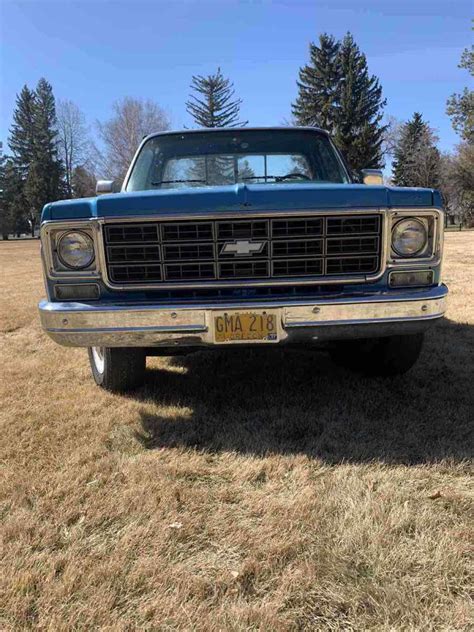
(95, 226)
(297, 248)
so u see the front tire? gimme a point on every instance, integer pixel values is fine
(393, 355)
(117, 369)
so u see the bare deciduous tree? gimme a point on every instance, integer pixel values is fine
(120, 136)
(460, 107)
(391, 135)
(73, 139)
(457, 184)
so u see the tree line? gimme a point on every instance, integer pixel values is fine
(54, 155)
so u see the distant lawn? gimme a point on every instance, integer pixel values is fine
(456, 228)
(245, 491)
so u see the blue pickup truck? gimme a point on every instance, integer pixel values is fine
(255, 236)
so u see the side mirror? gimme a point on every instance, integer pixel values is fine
(372, 176)
(105, 186)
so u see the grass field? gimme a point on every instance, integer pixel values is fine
(244, 491)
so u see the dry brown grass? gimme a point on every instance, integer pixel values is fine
(234, 492)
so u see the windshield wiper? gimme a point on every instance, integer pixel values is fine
(293, 174)
(279, 178)
(265, 178)
(155, 184)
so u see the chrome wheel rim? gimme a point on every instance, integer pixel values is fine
(99, 358)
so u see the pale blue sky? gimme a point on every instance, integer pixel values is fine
(97, 51)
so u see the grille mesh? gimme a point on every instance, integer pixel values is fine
(214, 250)
(243, 269)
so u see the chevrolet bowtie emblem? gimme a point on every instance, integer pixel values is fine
(241, 248)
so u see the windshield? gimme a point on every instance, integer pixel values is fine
(201, 159)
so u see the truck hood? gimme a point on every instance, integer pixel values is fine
(241, 198)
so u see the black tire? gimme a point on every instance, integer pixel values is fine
(117, 369)
(393, 355)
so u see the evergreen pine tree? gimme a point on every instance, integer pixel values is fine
(22, 132)
(5, 218)
(318, 85)
(359, 131)
(34, 148)
(411, 134)
(22, 146)
(337, 93)
(246, 172)
(12, 201)
(416, 158)
(213, 104)
(47, 167)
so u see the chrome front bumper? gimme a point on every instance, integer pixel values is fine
(152, 325)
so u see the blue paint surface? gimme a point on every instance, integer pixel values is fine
(241, 198)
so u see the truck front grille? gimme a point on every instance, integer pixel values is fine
(185, 251)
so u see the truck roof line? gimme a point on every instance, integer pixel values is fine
(319, 130)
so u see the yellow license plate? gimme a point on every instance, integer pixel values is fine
(237, 326)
